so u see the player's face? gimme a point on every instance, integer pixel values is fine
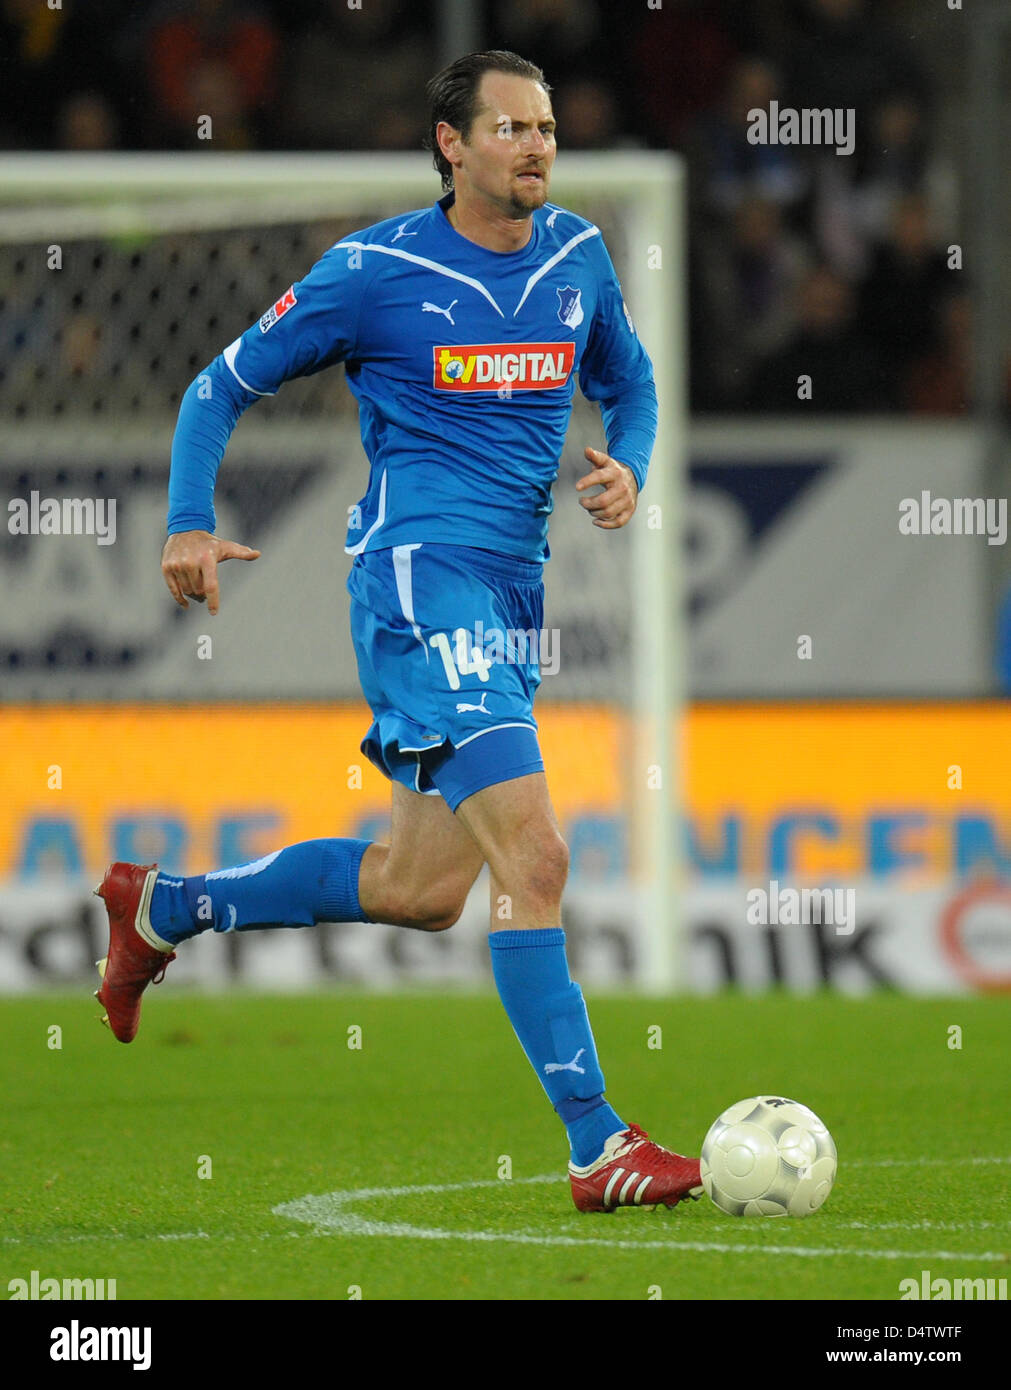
(511, 149)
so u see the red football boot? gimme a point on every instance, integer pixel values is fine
(137, 955)
(634, 1172)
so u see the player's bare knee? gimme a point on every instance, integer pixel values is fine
(538, 867)
(554, 854)
(552, 866)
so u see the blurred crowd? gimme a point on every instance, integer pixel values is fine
(803, 261)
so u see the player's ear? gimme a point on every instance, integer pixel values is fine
(448, 139)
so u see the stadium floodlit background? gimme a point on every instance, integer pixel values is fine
(845, 722)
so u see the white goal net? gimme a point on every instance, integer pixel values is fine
(121, 277)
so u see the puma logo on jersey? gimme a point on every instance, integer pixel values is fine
(567, 1066)
(401, 232)
(463, 708)
(429, 308)
(489, 366)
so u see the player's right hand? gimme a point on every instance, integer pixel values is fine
(189, 564)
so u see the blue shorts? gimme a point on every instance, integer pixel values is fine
(447, 642)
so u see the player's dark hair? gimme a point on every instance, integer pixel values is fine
(452, 96)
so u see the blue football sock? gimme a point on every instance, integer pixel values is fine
(547, 1011)
(316, 881)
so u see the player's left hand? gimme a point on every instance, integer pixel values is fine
(617, 503)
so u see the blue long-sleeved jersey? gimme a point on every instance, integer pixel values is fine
(463, 362)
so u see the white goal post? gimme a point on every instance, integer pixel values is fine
(47, 199)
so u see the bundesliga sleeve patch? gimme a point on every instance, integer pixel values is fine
(490, 366)
(278, 309)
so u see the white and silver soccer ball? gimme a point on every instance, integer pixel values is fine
(768, 1156)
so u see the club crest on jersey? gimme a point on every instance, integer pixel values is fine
(490, 366)
(278, 309)
(570, 306)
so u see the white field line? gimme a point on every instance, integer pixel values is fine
(320, 1231)
(327, 1215)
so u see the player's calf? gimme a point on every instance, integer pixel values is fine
(434, 910)
(425, 895)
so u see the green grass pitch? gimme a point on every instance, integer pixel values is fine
(102, 1146)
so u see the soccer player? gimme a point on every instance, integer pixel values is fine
(461, 327)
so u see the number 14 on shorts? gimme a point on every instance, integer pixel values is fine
(466, 660)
